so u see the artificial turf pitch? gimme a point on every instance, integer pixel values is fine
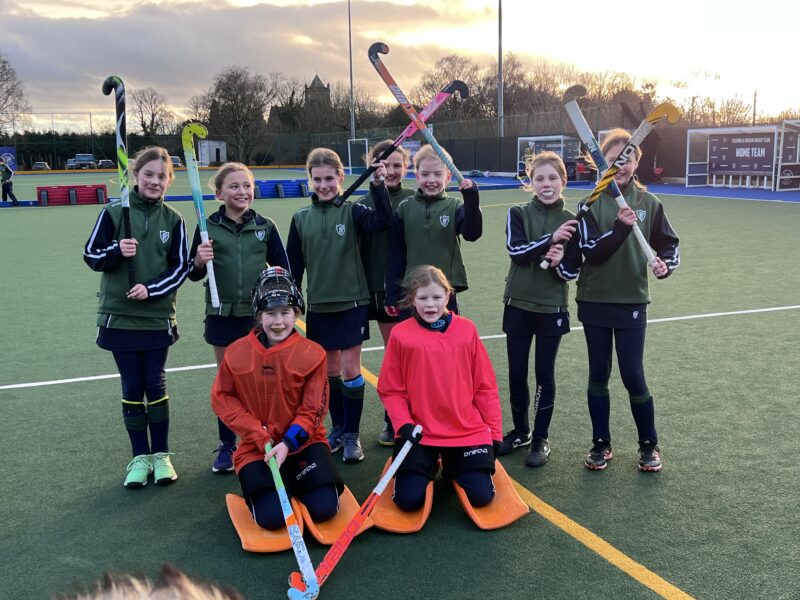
(720, 521)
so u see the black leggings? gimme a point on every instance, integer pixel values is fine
(410, 487)
(265, 506)
(143, 373)
(629, 344)
(630, 354)
(545, 351)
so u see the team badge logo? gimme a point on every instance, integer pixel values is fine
(444, 220)
(642, 214)
(340, 229)
(260, 235)
(635, 314)
(559, 321)
(164, 235)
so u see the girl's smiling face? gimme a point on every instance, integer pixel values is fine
(547, 183)
(432, 176)
(326, 182)
(396, 169)
(623, 176)
(236, 193)
(152, 180)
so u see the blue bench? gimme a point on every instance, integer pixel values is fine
(281, 188)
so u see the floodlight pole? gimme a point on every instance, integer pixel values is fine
(352, 96)
(500, 128)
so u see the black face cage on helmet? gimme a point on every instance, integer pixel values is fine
(275, 288)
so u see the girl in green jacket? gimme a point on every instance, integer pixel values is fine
(242, 243)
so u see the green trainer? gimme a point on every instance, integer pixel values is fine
(163, 471)
(138, 469)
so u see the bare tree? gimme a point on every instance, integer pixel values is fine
(12, 95)
(238, 102)
(199, 108)
(151, 112)
(443, 72)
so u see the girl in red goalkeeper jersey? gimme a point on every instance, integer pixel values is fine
(436, 373)
(272, 387)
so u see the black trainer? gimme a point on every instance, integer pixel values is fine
(539, 452)
(512, 440)
(599, 455)
(649, 456)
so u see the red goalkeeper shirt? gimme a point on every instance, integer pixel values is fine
(259, 387)
(442, 381)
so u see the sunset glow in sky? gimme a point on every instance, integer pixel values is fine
(63, 50)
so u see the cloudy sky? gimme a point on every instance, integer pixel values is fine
(63, 49)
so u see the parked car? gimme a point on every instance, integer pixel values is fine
(40, 166)
(70, 164)
(85, 161)
(176, 161)
(104, 163)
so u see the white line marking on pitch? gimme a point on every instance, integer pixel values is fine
(17, 386)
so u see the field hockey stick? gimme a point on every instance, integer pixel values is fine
(661, 111)
(190, 130)
(336, 551)
(433, 106)
(113, 82)
(587, 137)
(381, 48)
(298, 545)
(572, 92)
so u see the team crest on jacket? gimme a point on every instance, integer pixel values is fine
(444, 220)
(642, 214)
(340, 229)
(260, 235)
(164, 235)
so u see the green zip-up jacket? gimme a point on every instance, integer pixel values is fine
(427, 231)
(161, 263)
(241, 252)
(325, 240)
(615, 269)
(375, 246)
(529, 229)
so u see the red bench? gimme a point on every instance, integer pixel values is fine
(65, 195)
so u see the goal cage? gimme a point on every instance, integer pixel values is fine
(357, 149)
(568, 148)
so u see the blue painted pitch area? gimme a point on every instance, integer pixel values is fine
(504, 183)
(725, 192)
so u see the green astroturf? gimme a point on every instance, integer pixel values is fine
(720, 521)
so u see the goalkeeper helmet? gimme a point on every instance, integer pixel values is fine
(275, 287)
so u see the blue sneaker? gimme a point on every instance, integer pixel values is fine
(336, 438)
(223, 462)
(352, 452)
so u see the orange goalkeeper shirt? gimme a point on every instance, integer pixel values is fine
(258, 387)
